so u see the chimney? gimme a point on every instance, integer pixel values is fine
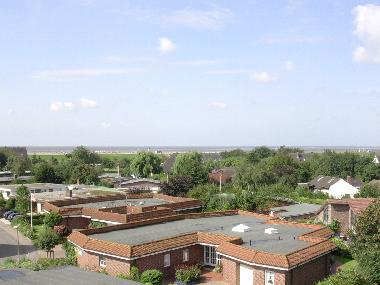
(69, 193)
(349, 180)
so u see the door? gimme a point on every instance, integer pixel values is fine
(210, 256)
(246, 275)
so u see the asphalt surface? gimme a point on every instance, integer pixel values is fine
(8, 243)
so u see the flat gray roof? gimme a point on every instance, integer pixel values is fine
(218, 225)
(122, 202)
(59, 276)
(296, 210)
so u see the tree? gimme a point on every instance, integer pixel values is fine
(82, 155)
(17, 164)
(108, 163)
(190, 164)
(47, 239)
(145, 163)
(52, 219)
(22, 199)
(178, 185)
(84, 173)
(10, 204)
(365, 243)
(346, 277)
(368, 191)
(260, 153)
(45, 173)
(3, 160)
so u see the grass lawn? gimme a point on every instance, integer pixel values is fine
(347, 263)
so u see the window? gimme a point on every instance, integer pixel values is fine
(326, 215)
(102, 262)
(167, 260)
(185, 255)
(79, 251)
(269, 278)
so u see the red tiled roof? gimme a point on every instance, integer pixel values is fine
(228, 245)
(357, 205)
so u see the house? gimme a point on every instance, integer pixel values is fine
(298, 156)
(140, 185)
(376, 158)
(343, 210)
(335, 187)
(221, 175)
(119, 208)
(250, 248)
(7, 177)
(295, 211)
(355, 181)
(167, 165)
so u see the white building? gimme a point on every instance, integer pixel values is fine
(336, 188)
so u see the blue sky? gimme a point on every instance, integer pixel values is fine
(190, 72)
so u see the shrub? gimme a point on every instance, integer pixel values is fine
(62, 230)
(70, 254)
(52, 219)
(10, 204)
(345, 277)
(152, 276)
(96, 225)
(188, 274)
(343, 249)
(39, 264)
(133, 275)
(335, 226)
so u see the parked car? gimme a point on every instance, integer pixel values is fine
(7, 213)
(10, 216)
(15, 216)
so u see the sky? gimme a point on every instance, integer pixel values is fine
(190, 73)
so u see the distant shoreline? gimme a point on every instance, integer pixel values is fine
(61, 150)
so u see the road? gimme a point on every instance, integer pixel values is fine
(8, 243)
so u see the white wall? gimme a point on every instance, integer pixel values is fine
(341, 188)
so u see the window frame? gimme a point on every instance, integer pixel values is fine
(102, 262)
(167, 260)
(269, 274)
(185, 255)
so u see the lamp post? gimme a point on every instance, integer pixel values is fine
(18, 244)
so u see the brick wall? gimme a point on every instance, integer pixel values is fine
(76, 222)
(340, 212)
(311, 272)
(113, 267)
(230, 271)
(176, 259)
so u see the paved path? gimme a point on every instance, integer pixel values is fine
(8, 245)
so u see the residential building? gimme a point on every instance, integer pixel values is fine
(345, 211)
(251, 248)
(335, 187)
(119, 208)
(221, 175)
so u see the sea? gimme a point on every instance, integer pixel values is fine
(179, 149)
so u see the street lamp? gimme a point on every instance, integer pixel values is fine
(18, 244)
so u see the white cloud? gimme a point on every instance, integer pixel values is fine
(367, 30)
(262, 76)
(166, 46)
(219, 105)
(61, 106)
(88, 103)
(212, 19)
(257, 76)
(74, 74)
(289, 65)
(105, 125)
(10, 111)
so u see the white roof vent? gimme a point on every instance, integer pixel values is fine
(241, 228)
(271, 231)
